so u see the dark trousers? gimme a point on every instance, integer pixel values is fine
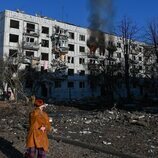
(31, 152)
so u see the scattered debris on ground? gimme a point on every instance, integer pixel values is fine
(83, 133)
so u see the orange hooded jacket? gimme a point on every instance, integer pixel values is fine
(36, 137)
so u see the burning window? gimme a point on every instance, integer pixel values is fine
(13, 38)
(70, 72)
(82, 84)
(44, 56)
(45, 43)
(70, 84)
(82, 37)
(71, 35)
(29, 53)
(45, 30)
(82, 49)
(71, 47)
(14, 24)
(12, 53)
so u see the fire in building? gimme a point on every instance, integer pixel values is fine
(62, 61)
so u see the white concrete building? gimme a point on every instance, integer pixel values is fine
(33, 36)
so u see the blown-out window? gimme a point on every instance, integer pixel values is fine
(12, 53)
(44, 56)
(14, 24)
(71, 47)
(45, 30)
(13, 38)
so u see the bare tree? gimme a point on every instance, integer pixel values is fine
(152, 36)
(127, 30)
(151, 55)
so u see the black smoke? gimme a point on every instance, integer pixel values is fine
(100, 20)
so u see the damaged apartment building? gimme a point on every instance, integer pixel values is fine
(59, 52)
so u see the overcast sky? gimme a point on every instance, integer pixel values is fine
(77, 11)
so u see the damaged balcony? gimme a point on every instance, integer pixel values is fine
(59, 41)
(92, 55)
(59, 68)
(31, 45)
(13, 60)
(31, 32)
(92, 66)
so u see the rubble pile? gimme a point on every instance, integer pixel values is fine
(117, 130)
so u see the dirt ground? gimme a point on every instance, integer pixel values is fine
(80, 133)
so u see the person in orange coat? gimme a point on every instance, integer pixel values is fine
(39, 126)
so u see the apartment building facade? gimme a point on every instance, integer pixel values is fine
(56, 43)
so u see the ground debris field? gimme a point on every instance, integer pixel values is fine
(82, 133)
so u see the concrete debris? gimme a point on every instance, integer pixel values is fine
(131, 132)
(106, 143)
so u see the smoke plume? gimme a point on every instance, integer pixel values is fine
(100, 19)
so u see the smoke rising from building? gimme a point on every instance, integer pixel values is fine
(100, 20)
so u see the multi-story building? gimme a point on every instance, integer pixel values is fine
(59, 48)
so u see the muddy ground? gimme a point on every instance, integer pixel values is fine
(82, 133)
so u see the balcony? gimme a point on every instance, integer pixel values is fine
(93, 66)
(60, 41)
(92, 55)
(31, 32)
(31, 45)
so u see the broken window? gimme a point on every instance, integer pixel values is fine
(70, 59)
(82, 37)
(82, 72)
(82, 84)
(13, 53)
(29, 53)
(70, 72)
(57, 84)
(30, 39)
(44, 56)
(81, 60)
(45, 43)
(30, 27)
(70, 84)
(82, 49)
(14, 24)
(45, 30)
(13, 38)
(71, 47)
(71, 35)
